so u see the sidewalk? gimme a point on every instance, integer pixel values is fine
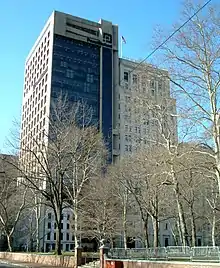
(27, 264)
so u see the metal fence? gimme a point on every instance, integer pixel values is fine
(201, 254)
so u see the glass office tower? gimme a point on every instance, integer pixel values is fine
(77, 58)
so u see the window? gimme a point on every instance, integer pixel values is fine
(61, 225)
(48, 236)
(67, 226)
(68, 217)
(70, 73)
(153, 92)
(49, 215)
(127, 98)
(134, 79)
(152, 84)
(160, 85)
(54, 236)
(126, 76)
(90, 78)
(49, 225)
(63, 64)
(67, 236)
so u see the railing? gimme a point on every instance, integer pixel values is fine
(206, 254)
(201, 254)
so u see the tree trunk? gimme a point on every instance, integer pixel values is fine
(179, 231)
(193, 227)
(217, 156)
(37, 211)
(125, 226)
(147, 244)
(156, 231)
(37, 232)
(58, 240)
(9, 240)
(174, 235)
(58, 232)
(76, 228)
(213, 228)
(182, 222)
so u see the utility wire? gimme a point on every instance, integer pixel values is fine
(168, 38)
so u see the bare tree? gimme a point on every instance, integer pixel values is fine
(57, 165)
(192, 57)
(117, 175)
(101, 211)
(160, 112)
(12, 198)
(144, 180)
(86, 159)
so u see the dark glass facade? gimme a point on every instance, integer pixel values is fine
(76, 73)
(107, 96)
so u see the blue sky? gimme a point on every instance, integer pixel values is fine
(21, 22)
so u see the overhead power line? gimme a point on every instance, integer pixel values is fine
(168, 38)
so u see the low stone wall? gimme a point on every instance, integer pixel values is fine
(53, 260)
(165, 264)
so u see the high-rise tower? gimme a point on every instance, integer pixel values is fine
(74, 57)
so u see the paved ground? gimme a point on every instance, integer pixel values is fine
(4, 265)
(13, 264)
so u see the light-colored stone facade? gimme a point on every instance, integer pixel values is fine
(140, 85)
